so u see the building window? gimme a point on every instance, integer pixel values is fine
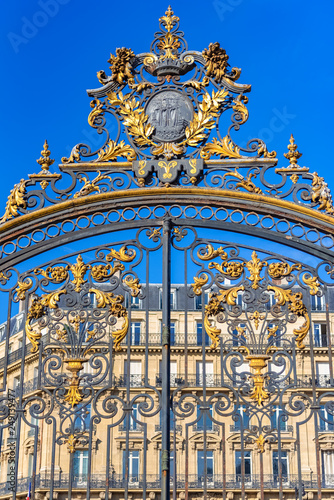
(248, 465)
(135, 331)
(277, 421)
(328, 467)
(239, 335)
(133, 466)
(82, 418)
(209, 376)
(199, 300)
(172, 299)
(80, 467)
(326, 420)
(240, 373)
(284, 466)
(323, 376)
(317, 303)
(135, 302)
(320, 334)
(276, 334)
(201, 469)
(271, 300)
(243, 418)
(135, 373)
(204, 417)
(199, 334)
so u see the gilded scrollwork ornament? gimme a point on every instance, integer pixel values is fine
(16, 201)
(90, 186)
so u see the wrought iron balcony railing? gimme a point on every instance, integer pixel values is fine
(284, 428)
(210, 427)
(138, 482)
(177, 428)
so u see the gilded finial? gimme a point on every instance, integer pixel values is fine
(293, 155)
(44, 160)
(169, 20)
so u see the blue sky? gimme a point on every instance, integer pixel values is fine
(52, 49)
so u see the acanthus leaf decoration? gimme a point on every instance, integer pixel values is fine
(79, 270)
(37, 310)
(113, 151)
(297, 307)
(224, 149)
(16, 201)
(116, 308)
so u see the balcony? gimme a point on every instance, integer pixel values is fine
(210, 427)
(286, 428)
(177, 428)
(139, 482)
(133, 381)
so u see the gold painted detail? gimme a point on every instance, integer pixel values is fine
(121, 68)
(71, 443)
(240, 108)
(90, 186)
(211, 253)
(169, 43)
(101, 272)
(293, 155)
(133, 284)
(79, 270)
(45, 161)
(37, 310)
(73, 395)
(278, 270)
(16, 200)
(168, 166)
(97, 110)
(296, 307)
(57, 274)
(123, 254)
(116, 308)
(259, 392)
(215, 61)
(168, 150)
(169, 20)
(22, 288)
(233, 269)
(257, 317)
(3, 277)
(155, 234)
(321, 194)
(260, 443)
(142, 165)
(214, 307)
(312, 282)
(244, 182)
(205, 118)
(113, 151)
(199, 283)
(263, 151)
(272, 331)
(254, 267)
(134, 117)
(224, 149)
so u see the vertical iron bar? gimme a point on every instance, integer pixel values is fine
(329, 339)
(165, 394)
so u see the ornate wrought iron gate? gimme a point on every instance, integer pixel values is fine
(166, 326)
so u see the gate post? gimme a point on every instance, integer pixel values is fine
(165, 396)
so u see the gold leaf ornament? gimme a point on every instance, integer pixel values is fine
(224, 149)
(205, 118)
(114, 150)
(22, 288)
(16, 200)
(199, 282)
